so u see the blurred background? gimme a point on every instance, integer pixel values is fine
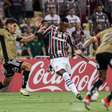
(86, 18)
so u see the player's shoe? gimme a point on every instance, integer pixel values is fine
(106, 103)
(79, 97)
(24, 92)
(87, 101)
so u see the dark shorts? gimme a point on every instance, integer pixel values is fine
(104, 60)
(12, 66)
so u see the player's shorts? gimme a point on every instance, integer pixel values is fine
(104, 60)
(12, 66)
(61, 63)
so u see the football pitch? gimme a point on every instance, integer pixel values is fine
(46, 102)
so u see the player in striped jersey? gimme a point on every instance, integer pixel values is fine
(59, 40)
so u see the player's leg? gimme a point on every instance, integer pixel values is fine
(102, 69)
(69, 83)
(5, 83)
(62, 67)
(98, 83)
(103, 60)
(8, 76)
(87, 99)
(26, 67)
(107, 101)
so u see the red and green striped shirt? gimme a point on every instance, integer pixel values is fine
(58, 42)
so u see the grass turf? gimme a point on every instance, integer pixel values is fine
(46, 102)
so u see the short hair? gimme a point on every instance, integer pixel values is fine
(64, 19)
(10, 21)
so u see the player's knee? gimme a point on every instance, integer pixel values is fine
(102, 75)
(61, 72)
(26, 66)
(103, 78)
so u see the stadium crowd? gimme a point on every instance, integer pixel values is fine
(85, 20)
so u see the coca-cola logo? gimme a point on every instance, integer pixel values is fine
(83, 74)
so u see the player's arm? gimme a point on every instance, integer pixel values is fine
(26, 39)
(2, 32)
(44, 29)
(4, 49)
(90, 41)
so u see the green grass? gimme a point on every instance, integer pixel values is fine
(45, 102)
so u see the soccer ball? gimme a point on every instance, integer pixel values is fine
(95, 96)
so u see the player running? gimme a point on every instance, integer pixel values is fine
(58, 50)
(11, 65)
(104, 59)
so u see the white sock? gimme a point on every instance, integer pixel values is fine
(69, 83)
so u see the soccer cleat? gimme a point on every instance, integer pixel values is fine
(24, 92)
(79, 97)
(87, 101)
(106, 103)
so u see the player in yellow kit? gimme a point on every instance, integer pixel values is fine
(8, 47)
(104, 59)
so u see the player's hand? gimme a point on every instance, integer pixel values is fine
(42, 29)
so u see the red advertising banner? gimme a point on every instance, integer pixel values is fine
(83, 74)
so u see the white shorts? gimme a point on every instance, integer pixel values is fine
(61, 63)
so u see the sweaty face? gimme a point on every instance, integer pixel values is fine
(12, 27)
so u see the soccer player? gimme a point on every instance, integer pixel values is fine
(59, 40)
(11, 65)
(104, 59)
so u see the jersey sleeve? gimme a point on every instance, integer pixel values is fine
(2, 32)
(70, 41)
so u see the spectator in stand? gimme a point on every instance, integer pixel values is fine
(28, 8)
(86, 30)
(7, 8)
(67, 5)
(72, 4)
(78, 37)
(108, 8)
(50, 4)
(25, 51)
(52, 17)
(26, 29)
(1, 9)
(37, 47)
(91, 5)
(99, 20)
(36, 22)
(17, 9)
(37, 5)
(73, 20)
(1, 24)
